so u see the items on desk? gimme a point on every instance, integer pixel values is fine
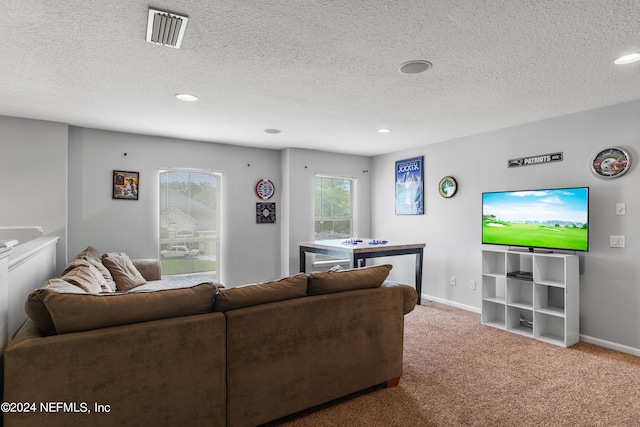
(378, 242)
(352, 241)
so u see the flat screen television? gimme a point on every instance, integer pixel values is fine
(554, 218)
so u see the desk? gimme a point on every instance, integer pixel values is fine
(358, 253)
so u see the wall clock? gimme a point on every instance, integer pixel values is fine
(611, 163)
(447, 187)
(265, 189)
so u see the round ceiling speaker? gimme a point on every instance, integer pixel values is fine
(415, 67)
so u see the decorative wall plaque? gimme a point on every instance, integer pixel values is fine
(448, 187)
(265, 213)
(611, 163)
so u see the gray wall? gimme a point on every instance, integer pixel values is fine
(451, 228)
(33, 172)
(300, 168)
(249, 252)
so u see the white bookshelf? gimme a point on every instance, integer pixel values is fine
(532, 294)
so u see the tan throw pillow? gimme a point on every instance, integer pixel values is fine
(87, 277)
(94, 257)
(263, 293)
(83, 312)
(348, 280)
(36, 309)
(123, 271)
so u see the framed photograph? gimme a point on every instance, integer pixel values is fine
(409, 176)
(126, 185)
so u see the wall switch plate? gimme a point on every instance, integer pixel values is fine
(453, 280)
(617, 241)
(472, 285)
(621, 209)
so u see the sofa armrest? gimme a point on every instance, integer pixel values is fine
(149, 268)
(410, 296)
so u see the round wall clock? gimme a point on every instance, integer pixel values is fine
(611, 163)
(265, 189)
(447, 186)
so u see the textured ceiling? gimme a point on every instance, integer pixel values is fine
(325, 72)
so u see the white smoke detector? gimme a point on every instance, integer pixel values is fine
(166, 29)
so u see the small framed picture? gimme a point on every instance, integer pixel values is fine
(126, 185)
(265, 213)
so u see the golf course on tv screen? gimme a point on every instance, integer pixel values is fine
(551, 219)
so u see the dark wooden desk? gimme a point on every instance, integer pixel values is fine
(360, 252)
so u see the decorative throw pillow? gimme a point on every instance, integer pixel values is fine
(124, 273)
(262, 293)
(348, 280)
(94, 257)
(87, 277)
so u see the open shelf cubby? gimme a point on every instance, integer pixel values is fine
(493, 314)
(532, 294)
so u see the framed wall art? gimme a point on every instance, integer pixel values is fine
(265, 213)
(409, 177)
(126, 185)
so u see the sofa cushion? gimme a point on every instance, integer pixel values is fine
(262, 293)
(87, 277)
(347, 280)
(37, 311)
(74, 312)
(124, 273)
(94, 257)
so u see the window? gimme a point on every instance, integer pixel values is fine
(334, 207)
(189, 222)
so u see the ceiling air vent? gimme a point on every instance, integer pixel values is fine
(166, 29)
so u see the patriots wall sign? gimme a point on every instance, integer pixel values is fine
(535, 160)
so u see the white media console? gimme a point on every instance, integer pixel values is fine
(532, 294)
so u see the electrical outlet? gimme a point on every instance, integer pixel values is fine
(453, 280)
(472, 285)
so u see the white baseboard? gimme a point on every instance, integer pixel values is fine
(586, 338)
(451, 303)
(611, 345)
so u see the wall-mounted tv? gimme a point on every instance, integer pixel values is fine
(554, 218)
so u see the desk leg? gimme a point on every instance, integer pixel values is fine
(419, 257)
(303, 260)
(353, 261)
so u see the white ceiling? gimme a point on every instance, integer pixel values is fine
(325, 72)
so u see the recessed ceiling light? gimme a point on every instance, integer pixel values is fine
(272, 131)
(627, 59)
(186, 97)
(415, 67)
(384, 130)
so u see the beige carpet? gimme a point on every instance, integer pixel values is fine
(458, 372)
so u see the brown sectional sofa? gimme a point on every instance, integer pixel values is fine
(188, 352)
